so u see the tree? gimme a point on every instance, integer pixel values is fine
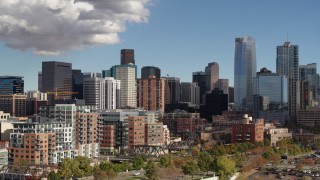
(195, 151)
(224, 166)
(204, 162)
(191, 168)
(138, 162)
(166, 160)
(53, 176)
(275, 158)
(65, 171)
(151, 170)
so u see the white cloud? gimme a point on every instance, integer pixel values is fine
(49, 27)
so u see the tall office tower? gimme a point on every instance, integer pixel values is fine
(40, 81)
(150, 93)
(190, 94)
(244, 71)
(305, 95)
(77, 84)
(269, 88)
(147, 71)
(127, 56)
(15, 104)
(216, 103)
(57, 77)
(309, 73)
(231, 94)
(127, 74)
(223, 84)
(288, 65)
(11, 85)
(103, 93)
(212, 70)
(201, 79)
(172, 90)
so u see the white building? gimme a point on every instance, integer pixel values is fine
(103, 93)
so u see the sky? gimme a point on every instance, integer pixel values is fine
(178, 36)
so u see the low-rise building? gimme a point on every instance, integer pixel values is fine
(274, 134)
(248, 130)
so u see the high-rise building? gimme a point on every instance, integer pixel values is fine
(190, 93)
(305, 95)
(212, 70)
(273, 86)
(127, 56)
(57, 77)
(309, 73)
(11, 85)
(244, 71)
(223, 84)
(127, 74)
(201, 79)
(288, 65)
(103, 93)
(136, 132)
(148, 71)
(40, 81)
(15, 104)
(216, 102)
(172, 90)
(150, 93)
(77, 84)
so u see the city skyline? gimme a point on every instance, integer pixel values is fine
(208, 36)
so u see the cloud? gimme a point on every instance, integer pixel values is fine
(49, 27)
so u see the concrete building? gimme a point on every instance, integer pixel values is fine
(154, 134)
(309, 73)
(274, 134)
(136, 132)
(4, 116)
(15, 104)
(287, 60)
(103, 93)
(248, 130)
(308, 118)
(179, 122)
(57, 77)
(244, 72)
(151, 93)
(223, 84)
(166, 135)
(190, 94)
(6, 127)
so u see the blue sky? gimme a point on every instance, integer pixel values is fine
(183, 36)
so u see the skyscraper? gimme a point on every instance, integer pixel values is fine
(57, 77)
(127, 56)
(309, 73)
(151, 93)
(288, 65)
(77, 84)
(190, 93)
(11, 85)
(172, 90)
(212, 70)
(103, 93)
(244, 71)
(147, 71)
(201, 79)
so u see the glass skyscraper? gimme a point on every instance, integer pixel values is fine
(244, 71)
(11, 85)
(288, 65)
(309, 73)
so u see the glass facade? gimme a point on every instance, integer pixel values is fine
(288, 65)
(244, 71)
(11, 85)
(309, 73)
(275, 87)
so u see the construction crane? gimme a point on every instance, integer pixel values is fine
(57, 94)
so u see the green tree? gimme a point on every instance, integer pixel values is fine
(53, 176)
(138, 162)
(191, 168)
(224, 166)
(166, 160)
(204, 162)
(105, 166)
(65, 171)
(195, 151)
(151, 170)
